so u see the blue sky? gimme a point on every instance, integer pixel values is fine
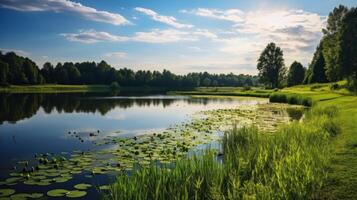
(179, 35)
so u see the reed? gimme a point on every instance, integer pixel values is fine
(290, 164)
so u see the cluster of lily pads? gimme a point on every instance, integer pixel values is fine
(126, 154)
(79, 136)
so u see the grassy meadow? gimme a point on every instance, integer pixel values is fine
(312, 159)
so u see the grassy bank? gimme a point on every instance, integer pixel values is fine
(54, 88)
(226, 91)
(290, 164)
(316, 159)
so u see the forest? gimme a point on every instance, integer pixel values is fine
(17, 70)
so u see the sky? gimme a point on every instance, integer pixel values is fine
(217, 36)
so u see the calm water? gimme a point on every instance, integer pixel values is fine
(39, 123)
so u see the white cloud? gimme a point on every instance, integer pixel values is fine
(233, 15)
(17, 51)
(194, 48)
(296, 31)
(92, 36)
(164, 36)
(169, 20)
(205, 33)
(118, 54)
(65, 6)
(153, 36)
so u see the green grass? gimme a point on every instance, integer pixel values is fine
(226, 91)
(315, 159)
(290, 164)
(53, 88)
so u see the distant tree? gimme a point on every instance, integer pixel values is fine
(4, 70)
(47, 72)
(296, 74)
(72, 72)
(31, 71)
(206, 82)
(349, 47)
(114, 85)
(61, 74)
(316, 70)
(23, 71)
(271, 65)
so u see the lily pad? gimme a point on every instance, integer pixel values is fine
(57, 193)
(104, 187)
(12, 180)
(6, 192)
(82, 186)
(20, 196)
(76, 194)
(61, 179)
(36, 195)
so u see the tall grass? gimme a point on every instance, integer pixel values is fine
(295, 99)
(290, 164)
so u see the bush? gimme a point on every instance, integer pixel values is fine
(294, 99)
(352, 84)
(334, 86)
(114, 85)
(246, 88)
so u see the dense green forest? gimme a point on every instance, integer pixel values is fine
(18, 70)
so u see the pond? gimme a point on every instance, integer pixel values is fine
(57, 141)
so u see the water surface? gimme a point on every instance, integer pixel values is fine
(39, 123)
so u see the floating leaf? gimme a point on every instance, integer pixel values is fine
(36, 195)
(104, 187)
(82, 186)
(76, 194)
(12, 180)
(57, 193)
(20, 196)
(30, 182)
(61, 179)
(6, 192)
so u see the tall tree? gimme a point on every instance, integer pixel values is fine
(349, 47)
(316, 72)
(4, 70)
(61, 74)
(47, 72)
(332, 43)
(296, 74)
(271, 65)
(31, 71)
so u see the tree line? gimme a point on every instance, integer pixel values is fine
(18, 70)
(335, 57)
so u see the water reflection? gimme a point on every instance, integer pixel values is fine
(15, 107)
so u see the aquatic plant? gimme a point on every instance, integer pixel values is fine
(160, 148)
(290, 164)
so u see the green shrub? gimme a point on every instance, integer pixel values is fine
(334, 86)
(246, 88)
(294, 99)
(114, 85)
